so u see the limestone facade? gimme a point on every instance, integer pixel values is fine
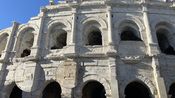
(133, 47)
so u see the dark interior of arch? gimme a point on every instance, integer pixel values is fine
(163, 42)
(16, 93)
(172, 91)
(53, 90)
(93, 89)
(61, 41)
(94, 38)
(129, 34)
(136, 90)
(26, 52)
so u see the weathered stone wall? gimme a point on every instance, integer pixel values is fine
(115, 63)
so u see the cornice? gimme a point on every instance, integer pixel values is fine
(68, 6)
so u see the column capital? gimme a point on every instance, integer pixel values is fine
(145, 9)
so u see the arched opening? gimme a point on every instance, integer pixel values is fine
(25, 42)
(93, 89)
(171, 92)
(3, 42)
(52, 90)
(163, 42)
(129, 34)
(59, 41)
(16, 93)
(94, 37)
(137, 90)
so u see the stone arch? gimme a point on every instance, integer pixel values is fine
(154, 22)
(25, 40)
(102, 22)
(145, 81)
(137, 89)
(4, 34)
(93, 31)
(11, 90)
(66, 23)
(58, 39)
(130, 25)
(171, 91)
(157, 21)
(52, 90)
(57, 28)
(129, 34)
(165, 37)
(100, 79)
(22, 28)
(165, 25)
(93, 36)
(93, 89)
(16, 92)
(7, 31)
(3, 41)
(47, 82)
(135, 20)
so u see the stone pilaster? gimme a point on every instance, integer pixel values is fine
(66, 93)
(36, 49)
(153, 51)
(111, 49)
(113, 75)
(152, 46)
(74, 19)
(160, 84)
(10, 42)
(110, 42)
(72, 45)
(6, 53)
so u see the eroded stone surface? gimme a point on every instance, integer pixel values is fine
(130, 50)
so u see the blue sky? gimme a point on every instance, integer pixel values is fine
(19, 10)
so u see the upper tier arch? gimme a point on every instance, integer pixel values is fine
(65, 22)
(138, 22)
(102, 22)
